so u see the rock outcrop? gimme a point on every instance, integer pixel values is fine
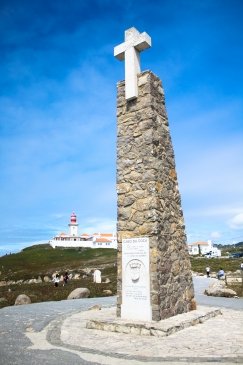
(79, 293)
(22, 299)
(218, 289)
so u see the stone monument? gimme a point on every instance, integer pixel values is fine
(97, 276)
(154, 273)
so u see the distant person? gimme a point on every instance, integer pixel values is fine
(65, 278)
(241, 267)
(56, 280)
(208, 271)
(221, 274)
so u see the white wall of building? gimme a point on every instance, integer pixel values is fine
(203, 248)
(78, 243)
(97, 240)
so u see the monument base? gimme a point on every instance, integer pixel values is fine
(106, 320)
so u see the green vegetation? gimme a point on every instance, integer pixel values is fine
(44, 292)
(42, 260)
(199, 264)
(228, 249)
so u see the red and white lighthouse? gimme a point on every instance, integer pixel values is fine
(73, 225)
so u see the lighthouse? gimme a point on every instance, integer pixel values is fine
(73, 225)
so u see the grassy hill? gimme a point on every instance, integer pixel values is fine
(41, 260)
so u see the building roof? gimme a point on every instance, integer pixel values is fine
(103, 234)
(106, 234)
(201, 243)
(102, 239)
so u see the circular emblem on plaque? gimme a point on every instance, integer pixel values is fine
(134, 269)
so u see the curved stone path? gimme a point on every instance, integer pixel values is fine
(52, 333)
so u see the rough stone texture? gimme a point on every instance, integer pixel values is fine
(218, 289)
(167, 327)
(22, 299)
(149, 203)
(79, 293)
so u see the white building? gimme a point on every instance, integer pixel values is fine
(73, 239)
(203, 248)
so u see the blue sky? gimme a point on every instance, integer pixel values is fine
(58, 112)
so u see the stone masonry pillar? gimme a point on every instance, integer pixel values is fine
(149, 203)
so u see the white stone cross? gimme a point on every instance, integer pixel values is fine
(129, 50)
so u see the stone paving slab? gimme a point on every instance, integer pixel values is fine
(106, 320)
(217, 340)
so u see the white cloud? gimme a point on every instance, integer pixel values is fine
(99, 225)
(214, 211)
(215, 234)
(236, 222)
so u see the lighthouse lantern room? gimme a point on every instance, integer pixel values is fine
(73, 225)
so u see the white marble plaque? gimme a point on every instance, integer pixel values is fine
(136, 302)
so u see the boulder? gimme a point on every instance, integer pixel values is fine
(217, 284)
(107, 292)
(218, 289)
(22, 299)
(76, 276)
(79, 293)
(39, 280)
(11, 282)
(107, 281)
(220, 292)
(95, 307)
(46, 279)
(32, 281)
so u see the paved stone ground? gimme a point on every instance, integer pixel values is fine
(217, 340)
(51, 334)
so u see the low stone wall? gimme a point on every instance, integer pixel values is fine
(234, 279)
